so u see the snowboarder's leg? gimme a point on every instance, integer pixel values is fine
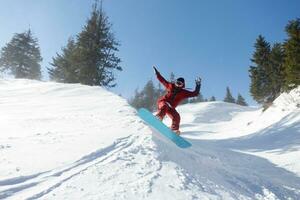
(174, 115)
(162, 110)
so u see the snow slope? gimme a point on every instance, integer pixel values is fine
(68, 141)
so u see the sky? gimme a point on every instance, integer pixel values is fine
(207, 38)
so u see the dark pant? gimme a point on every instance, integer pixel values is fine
(164, 109)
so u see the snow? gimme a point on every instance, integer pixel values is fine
(69, 141)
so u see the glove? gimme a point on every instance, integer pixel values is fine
(155, 70)
(198, 81)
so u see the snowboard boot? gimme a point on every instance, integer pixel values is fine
(177, 132)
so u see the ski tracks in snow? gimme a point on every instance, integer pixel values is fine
(37, 185)
(129, 173)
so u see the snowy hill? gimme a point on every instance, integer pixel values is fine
(68, 141)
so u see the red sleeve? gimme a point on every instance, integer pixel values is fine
(163, 81)
(192, 93)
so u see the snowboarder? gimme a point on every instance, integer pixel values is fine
(175, 94)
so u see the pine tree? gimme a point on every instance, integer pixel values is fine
(91, 58)
(149, 95)
(137, 100)
(292, 53)
(213, 98)
(197, 99)
(146, 98)
(241, 101)
(97, 51)
(277, 73)
(229, 98)
(21, 56)
(259, 74)
(65, 65)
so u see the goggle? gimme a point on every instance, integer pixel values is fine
(179, 84)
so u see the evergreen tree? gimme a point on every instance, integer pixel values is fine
(241, 101)
(292, 53)
(137, 100)
(97, 51)
(259, 74)
(277, 73)
(229, 98)
(197, 99)
(213, 98)
(21, 56)
(149, 96)
(91, 59)
(146, 98)
(65, 65)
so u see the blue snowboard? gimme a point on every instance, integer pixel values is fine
(148, 117)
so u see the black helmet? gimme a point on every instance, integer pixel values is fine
(180, 82)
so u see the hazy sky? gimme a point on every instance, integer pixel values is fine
(208, 38)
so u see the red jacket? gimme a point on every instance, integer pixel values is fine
(175, 94)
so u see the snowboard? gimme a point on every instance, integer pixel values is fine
(155, 123)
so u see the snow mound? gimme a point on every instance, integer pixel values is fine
(69, 141)
(275, 133)
(288, 101)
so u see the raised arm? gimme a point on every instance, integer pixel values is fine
(196, 91)
(161, 78)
